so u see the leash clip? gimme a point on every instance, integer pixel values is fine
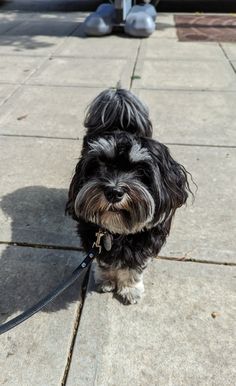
(97, 243)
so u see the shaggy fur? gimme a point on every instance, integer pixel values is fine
(127, 184)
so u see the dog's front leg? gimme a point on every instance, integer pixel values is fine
(129, 285)
(127, 282)
(105, 277)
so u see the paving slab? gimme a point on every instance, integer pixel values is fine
(184, 74)
(101, 47)
(35, 176)
(6, 25)
(36, 37)
(85, 72)
(192, 117)
(170, 338)
(17, 16)
(175, 50)
(6, 91)
(46, 27)
(165, 27)
(234, 65)
(41, 16)
(230, 50)
(204, 230)
(36, 352)
(9, 20)
(44, 113)
(15, 71)
(30, 45)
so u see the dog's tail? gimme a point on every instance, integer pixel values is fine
(118, 109)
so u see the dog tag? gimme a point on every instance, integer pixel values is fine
(107, 241)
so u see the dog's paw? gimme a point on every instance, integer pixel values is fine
(106, 286)
(131, 295)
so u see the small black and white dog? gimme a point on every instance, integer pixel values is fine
(128, 185)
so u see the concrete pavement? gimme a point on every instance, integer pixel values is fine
(183, 331)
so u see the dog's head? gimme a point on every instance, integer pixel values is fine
(126, 184)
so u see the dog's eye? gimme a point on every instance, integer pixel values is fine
(102, 164)
(103, 161)
(144, 173)
(91, 167)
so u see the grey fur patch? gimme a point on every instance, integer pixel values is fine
(138, 153)
(103, 146)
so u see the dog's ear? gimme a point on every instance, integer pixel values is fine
(75, 186)
(171, 182)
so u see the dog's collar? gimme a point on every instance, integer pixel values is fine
(106, 238)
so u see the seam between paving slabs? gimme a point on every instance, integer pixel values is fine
(79, 139)
(20, 84)
(72, 342)
(53, 53)
(41, 246)
(192, 260)
(97, 86)
(200, 145)
(79, 313)
(135, 64)
(12, 27)
(227, 57)
(181, 259)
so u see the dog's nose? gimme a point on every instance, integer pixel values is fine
(114, 194)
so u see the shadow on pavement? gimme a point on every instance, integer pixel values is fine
(28, 274)
(21, 35)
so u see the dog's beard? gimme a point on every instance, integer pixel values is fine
(130, 215)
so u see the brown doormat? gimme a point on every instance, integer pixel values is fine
(206, 28)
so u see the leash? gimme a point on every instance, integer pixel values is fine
(94, 252)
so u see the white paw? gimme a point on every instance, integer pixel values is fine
(106, 286)
(131, 295)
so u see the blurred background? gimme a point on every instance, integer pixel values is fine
(89, 5)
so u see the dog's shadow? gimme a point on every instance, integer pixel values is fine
(37, 218)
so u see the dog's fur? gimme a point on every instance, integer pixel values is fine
(127, 184)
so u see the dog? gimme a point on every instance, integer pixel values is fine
(127, 185)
